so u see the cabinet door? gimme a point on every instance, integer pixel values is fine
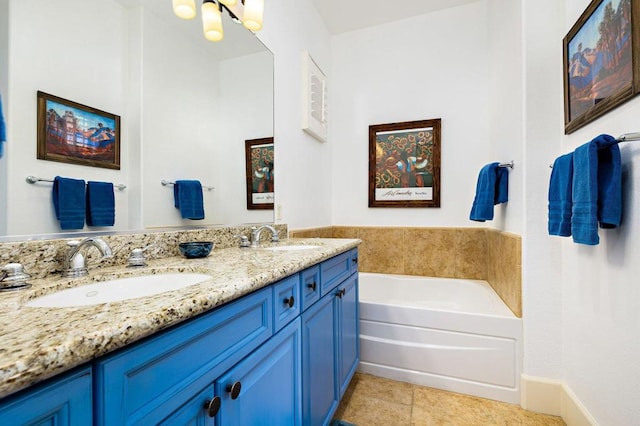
(265, 387)
(320, 393)
(348, 331)
(63, 402)
(193, 412)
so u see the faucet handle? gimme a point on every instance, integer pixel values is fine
(244, 241)
(275, 236)
(136, 257)
(13, 276)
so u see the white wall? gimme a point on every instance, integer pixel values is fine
(601, 296)
(506, 105)
(303, 189)
(429, 66)
(542, 266)
(245, 91)
(45, 55)
(180, 122)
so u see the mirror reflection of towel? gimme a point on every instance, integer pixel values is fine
(3, 130)
(69, 202)
(101, 208)
(188, 198)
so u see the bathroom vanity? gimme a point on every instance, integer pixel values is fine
(271, 338)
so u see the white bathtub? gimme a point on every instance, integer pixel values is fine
(445, 333)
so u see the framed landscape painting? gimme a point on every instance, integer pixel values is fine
(69, 132)
(404, 164)
(600, 60)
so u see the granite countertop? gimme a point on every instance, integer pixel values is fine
(38, 343)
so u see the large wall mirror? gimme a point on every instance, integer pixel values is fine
(187, 106)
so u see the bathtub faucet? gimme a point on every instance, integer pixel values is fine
(255, 234)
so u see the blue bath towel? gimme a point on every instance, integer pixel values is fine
(69, 202)
(3, 130)
(101, 205)
(187, 196)
(560, 192)
(492, 188)
(597, 189)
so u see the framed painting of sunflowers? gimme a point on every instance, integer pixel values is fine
(404, 164)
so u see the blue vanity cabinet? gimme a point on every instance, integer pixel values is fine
(331, 347)
(319, 369)
(333, 271)
(265, 387)
(286, 301)
(150, 381)
(310, 286)
(282, 355)
(63, 401)
(347, 322)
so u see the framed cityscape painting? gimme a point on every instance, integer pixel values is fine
(601, 61)
(404, 164)
(259, 165)
(69, 132)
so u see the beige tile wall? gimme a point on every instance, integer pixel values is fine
(472, 253)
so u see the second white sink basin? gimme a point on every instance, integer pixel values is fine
(117, 290)
(292, 247)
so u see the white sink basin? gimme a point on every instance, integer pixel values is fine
(118, 289)
(291, 247)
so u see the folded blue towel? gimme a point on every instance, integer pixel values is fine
(597, 189)
(492, 188)
(560, 191)
(101, 204)
(69, 202)
(187, 196)
(3, 130)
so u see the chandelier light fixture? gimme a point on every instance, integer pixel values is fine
(250, 11)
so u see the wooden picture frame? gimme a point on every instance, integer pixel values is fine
(259, 173)
(69, 132)
(404, 164)
(601, 61)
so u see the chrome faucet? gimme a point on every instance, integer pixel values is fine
(255, 234)
(74, 263)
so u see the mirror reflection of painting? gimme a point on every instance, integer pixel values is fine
(600, 57)
(260, 173)
(74, 133)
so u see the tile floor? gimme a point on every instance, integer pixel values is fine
(371, 401)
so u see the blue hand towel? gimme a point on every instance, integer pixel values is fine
(492, 188)
(69, 202)
(3, 130)
(597, 189)
(187, 196)
(560, 192)
(101, 204)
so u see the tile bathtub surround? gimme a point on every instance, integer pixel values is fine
(372, 401)
(38, 343)
(42, 258)
(472, 253)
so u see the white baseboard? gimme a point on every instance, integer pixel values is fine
(554, 397)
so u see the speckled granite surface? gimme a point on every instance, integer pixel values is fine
(37, 343)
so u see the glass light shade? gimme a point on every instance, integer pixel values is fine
(212, 22)
(253, 11)
(229, 2)
(185, 9)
